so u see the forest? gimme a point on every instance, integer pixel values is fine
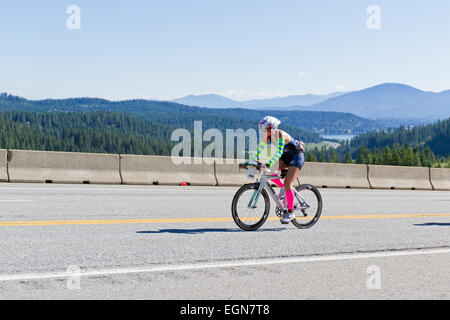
(161, 112)
(398, 155)
(98, 132)
(145, 127)
(401, 146)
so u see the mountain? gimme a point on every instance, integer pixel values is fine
(283, 102)
(217, 101)
(208, 101)
(389, 101)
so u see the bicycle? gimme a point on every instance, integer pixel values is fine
(245, 208)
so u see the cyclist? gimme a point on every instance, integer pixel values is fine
(289, 154)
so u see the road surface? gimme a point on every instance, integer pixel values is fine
(161, 242)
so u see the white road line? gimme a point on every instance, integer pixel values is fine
(144, 189)
(226, 264)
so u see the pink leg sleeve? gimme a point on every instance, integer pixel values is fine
(278, 182)
(290, 199)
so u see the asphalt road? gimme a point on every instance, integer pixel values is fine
(155, 242)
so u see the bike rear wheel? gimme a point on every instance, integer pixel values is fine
(247, 216)
(307, 214)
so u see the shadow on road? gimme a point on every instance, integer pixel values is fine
(205, 230)
(432, 224)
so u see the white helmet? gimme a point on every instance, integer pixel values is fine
(269, 123)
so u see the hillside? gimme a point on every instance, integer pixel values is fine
(390, 101)
(113, 132)
(98, 132)
(320, 122)
(303, 124)
(167, 113)
(435, 136)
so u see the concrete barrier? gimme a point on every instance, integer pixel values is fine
(136, 169)
(228, 174)
(334, 175)
(391, 177)
(63, 167)
(3, 165)
(440, 178)
(318, 174)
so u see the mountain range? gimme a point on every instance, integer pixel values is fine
(217, 101)
(384, 101)
(305, 123)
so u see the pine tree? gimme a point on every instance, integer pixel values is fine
(408, 156)
(322, 156)
(311, 156)
(364, 156)
(333, 157)
(348, 158)
(387, 156)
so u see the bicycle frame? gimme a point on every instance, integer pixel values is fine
(263, 180)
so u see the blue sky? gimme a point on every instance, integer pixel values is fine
(241, 49)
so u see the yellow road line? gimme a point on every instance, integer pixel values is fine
(388, 216)
(182, 220)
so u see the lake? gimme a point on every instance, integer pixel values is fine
(338, 136)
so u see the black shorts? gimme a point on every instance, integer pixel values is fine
(293, 159)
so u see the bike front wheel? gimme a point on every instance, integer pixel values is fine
(307, 206)
(249, 209)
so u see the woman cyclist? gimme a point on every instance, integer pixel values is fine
(289, 154)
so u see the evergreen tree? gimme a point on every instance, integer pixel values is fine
(311, 156)
(348, 158)
(396, 157)
(387, 156)
(333, 157)
(322, 155)
(364, 156)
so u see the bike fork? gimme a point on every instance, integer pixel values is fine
(254, 200)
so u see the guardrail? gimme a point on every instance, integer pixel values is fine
(66, 167)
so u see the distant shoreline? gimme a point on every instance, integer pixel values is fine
(338, 136)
